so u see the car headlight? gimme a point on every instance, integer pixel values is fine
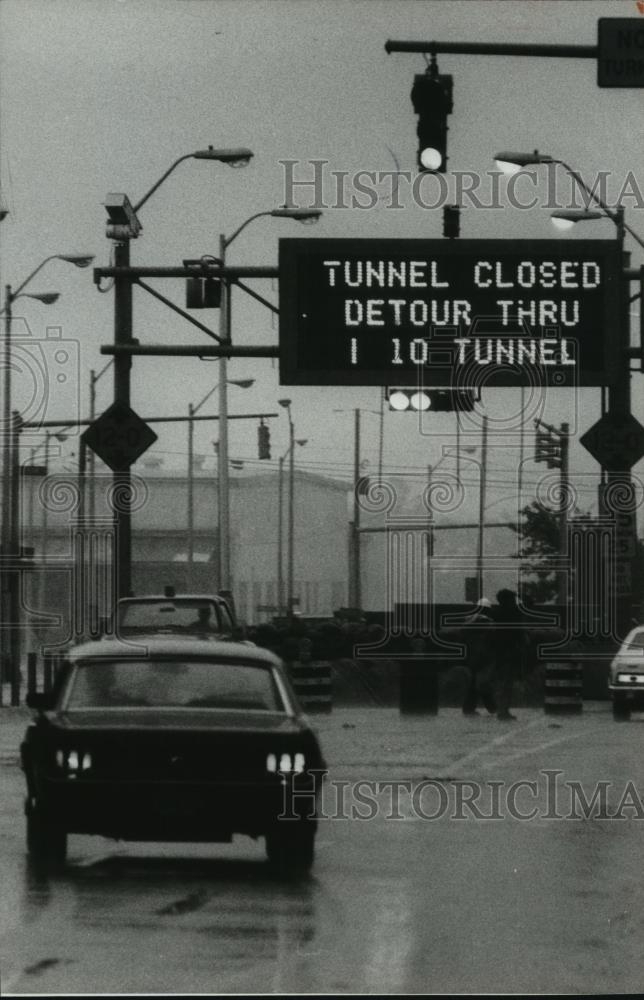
(72, 761)
(287, 763)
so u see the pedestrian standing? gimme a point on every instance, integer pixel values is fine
(477, 634)
(508, 640)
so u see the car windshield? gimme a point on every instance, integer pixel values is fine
(190, 616)
(174, 683)
(637, 640)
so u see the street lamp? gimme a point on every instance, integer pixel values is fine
(10, 543)
(512, 162)
(243, 383)
(304, 215)
(619, 394)
(123, 226)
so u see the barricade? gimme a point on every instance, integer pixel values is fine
(312, 680)
(418, 681)
(563, 687)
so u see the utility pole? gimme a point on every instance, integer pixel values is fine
(280, 536)
(191, 514)
(562, 582)
(430, 531)
(356, 583)
(481, 525)
(15, 578)
(291, 515)
(223, 483)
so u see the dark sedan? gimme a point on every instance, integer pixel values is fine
(172, 739)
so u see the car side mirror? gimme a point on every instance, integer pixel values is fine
(40, 701)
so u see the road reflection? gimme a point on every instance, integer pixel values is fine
(239, 909)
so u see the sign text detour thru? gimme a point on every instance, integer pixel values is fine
(449, 312)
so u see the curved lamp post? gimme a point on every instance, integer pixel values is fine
(619, 394)
(10, 530)
(303, 215)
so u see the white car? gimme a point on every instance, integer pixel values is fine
(626, 680)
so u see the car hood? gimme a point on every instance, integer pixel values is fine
(171, 719)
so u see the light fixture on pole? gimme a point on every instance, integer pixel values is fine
(303, 215)
(565, 218)
(242, 383)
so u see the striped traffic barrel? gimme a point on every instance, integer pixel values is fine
(311, 680)
(563, 684)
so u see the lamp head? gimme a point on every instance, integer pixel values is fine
(301, 441)
(512, 163)
(308, 216)
(236, 157)
(243, 383)
(285, 403)
(47, 298)
(79, 260)
(565, 218)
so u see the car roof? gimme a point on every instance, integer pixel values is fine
(171, 645)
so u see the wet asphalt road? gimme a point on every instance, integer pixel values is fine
(393, 905)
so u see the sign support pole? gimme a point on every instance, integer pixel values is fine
(619, 404)
(122, 514)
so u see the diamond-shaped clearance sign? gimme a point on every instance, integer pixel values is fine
(616, 441)
(119, 437)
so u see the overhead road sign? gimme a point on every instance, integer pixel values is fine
(458, 313)
(620, 56)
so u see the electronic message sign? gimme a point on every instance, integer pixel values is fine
(449, 312)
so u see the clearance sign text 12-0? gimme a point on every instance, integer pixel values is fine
(449, 312)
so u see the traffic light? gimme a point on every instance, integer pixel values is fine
(547, 449)
(431, 97)
(203, 293)
(264, 440)
(443, 400)
(451, 221)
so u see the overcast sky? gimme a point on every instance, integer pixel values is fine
(102, 96)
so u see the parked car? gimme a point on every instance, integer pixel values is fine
(626, 680)
(203, 614)
(192, 739)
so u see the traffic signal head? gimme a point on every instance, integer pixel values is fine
(451, 221)
(264, 440)
(203, 293)
(431, 399)
(547, 449)
(431, 97)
